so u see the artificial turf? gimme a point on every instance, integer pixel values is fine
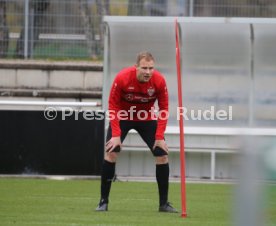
(27, 202)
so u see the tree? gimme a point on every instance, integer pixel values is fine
(89, 33)
(103, 8)
(135, 7)
(36, 14)
(93, 28)
(4, 31)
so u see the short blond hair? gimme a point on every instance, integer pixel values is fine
(144, 55)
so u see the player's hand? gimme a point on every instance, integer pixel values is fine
(162, 144)
(112, 144)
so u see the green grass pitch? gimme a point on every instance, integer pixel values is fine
(28, 202)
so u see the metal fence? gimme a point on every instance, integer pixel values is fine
(61, 29)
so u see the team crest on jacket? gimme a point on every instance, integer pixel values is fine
(151, 91)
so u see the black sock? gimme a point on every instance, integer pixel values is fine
(108, 172)
(162, 177)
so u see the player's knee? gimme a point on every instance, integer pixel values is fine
(162, 159)
(111, 156)
(157, 151)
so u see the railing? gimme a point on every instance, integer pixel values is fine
(208, 146)
(48, 103)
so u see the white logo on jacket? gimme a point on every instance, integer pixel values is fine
(151, 91)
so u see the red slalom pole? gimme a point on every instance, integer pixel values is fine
(181, 123)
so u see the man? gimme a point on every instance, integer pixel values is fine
(134, 91)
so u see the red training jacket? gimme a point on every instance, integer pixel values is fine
(128, 93)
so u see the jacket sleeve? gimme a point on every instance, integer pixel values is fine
(163, 104)
(114, 107)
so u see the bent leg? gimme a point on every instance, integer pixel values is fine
(162, 177)
(147, 131)
(108, 167)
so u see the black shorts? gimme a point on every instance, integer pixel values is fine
(146, 130)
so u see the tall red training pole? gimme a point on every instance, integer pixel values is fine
(181, 123)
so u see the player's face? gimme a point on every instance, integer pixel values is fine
(145, 70)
